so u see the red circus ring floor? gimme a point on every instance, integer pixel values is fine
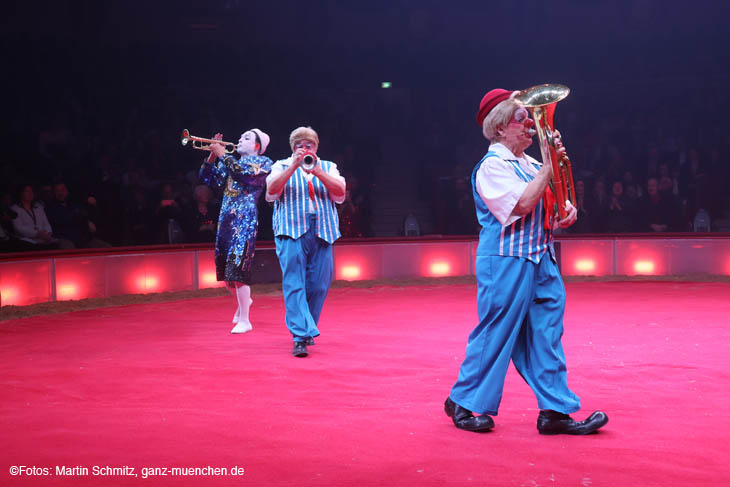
(166, 385)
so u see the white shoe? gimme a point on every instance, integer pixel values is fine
(242, 327)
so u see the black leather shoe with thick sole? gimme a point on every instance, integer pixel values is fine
(300, 349)
(465, 419)
(309, 341)
(555, 423)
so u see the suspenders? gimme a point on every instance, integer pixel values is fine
(525, 237)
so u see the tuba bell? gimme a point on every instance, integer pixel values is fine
(541, 100)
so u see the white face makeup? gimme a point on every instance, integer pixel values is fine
(517, 134)
(246, 144)
(305, 144)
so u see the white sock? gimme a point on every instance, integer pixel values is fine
(243, 295)
(232, 290)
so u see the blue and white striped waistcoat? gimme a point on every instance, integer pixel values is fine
(290, 210)
(526, 237)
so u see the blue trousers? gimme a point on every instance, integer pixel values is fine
(307, 271)
(520, 306)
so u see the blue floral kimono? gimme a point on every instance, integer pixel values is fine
(244, 180)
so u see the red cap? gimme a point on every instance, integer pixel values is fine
(491, 100)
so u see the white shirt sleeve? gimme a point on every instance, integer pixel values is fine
(500, 188)
(334, 172)
(276, 169)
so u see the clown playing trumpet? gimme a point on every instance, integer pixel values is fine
(243, 179)
(306, 225)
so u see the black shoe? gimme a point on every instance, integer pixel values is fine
(309, 341)
(300, 349)
(464, 419)
(555, 423)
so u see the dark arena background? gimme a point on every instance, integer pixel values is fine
(117, 365)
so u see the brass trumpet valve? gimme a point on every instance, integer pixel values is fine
(201, 143)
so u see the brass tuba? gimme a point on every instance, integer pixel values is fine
(204, 144)
(541, 101)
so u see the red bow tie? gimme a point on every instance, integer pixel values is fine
(311, 192)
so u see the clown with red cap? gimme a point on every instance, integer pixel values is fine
(243, 180)
(521, 296)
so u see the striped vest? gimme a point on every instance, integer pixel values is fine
(290, 210)
(525, 237)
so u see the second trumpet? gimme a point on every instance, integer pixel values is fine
(309, 160)
(204, 144)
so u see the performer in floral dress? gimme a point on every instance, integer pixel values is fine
(244, 179)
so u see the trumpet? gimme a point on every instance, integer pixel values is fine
(204, 144)
(308, 161)
(541, 101)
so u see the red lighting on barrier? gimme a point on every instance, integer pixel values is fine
(9, 295)
(585, 266)
(148, 283)
(67, 291)
(440, 268)
(644, 267)
(350, 272)
(209, 278)
(151, 283)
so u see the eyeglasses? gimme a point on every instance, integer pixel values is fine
(304, 144)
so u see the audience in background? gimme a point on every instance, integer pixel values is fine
(634, 172)
(71, 221)
(619, 215)
(658, 212)
(598, 207)
(30, 223)
(200, 218)
(139, 220)
(167, 214)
